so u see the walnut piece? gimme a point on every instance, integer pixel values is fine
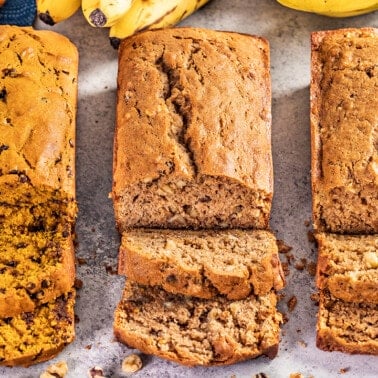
(131, 363)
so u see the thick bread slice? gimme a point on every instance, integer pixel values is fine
(37, 336)
(194, 331)
(347, 327)
(348, 266)
(204, 264)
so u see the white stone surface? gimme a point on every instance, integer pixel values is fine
(289, 35)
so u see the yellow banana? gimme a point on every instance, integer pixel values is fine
(152, 14)
(333, 8)
(104, 13)
(53, 11)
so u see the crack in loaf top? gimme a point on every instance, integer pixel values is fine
(194, 102)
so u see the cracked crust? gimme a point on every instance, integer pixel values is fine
(203, 263)
(344, 131)
(193, 331)
(182, 148)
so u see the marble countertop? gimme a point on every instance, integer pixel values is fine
(288, 32)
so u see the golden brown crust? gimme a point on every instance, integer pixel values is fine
(174, 126)
(38, 135)
(343, 130)
(203, 264)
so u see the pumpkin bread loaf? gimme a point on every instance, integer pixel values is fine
(195, 331)
(344, 128)
(346, 326)
(38, 96)
(203, 264)
(186, 155)
(37, 336)
(348, 266)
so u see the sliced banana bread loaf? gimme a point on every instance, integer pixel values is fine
(235, 263)
(195, 331)
(193, 131)
(344, 128)
(348, 266)
(347, 327)
(37, 336)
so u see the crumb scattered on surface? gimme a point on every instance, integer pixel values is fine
(301, 265)
(282, 247)
(344, 370)
(307, 223)
(285, 268)
(261, 375)
(89, 346)
(302, 343)
(110, 270)
(311, 237)
(131, 363)
(78, 283)
(81, 261)
(315, 297)
(289, 258)
(57, 370)
(285, 318)
(95, 372)
(311, 268)
(291, 303)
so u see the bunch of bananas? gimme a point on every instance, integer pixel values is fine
(333, 8)
(122, 17)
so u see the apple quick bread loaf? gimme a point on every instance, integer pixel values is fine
(195, 331)
(348, 266)
(37, 336)
(38, 96)
(344, 108)
(203, 264)
(346, 326)
(193, 131)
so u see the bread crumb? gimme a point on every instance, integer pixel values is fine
(78, 283)
(89, 346)
(311, 237)
(96, 372)
(302, 343)
(315, 298)
(344, 370)
(301, 265)
(307, 223)
(291, 303)
(261, 375)
(81, 261)
(131, 363)
(285, 318)
(57, 370)
(285, 268)
(296, 375)
(311, 268)
(282, 247)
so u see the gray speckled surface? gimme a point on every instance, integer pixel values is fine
(288, 32)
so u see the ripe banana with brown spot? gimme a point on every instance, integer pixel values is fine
(104, 13)
(53, 11)
(152, 14)
(333, 8)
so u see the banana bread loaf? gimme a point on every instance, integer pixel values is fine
(38, 96)
(195, 331)
(344, 108)
(348, 266)
(186, 154)
(347, 327)
(203, 264)
(37, 336)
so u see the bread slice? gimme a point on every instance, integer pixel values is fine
(344, 130)
(193, 331)
(37, 336)
(347, 327)
(348, 266)
(203, 264)
(192, 144)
